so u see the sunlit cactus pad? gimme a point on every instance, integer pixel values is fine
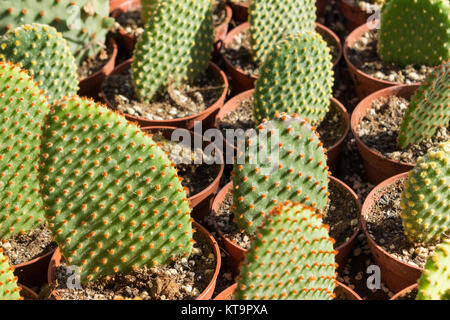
(9, 289)
(112, 197)
(22, 111)
(292, 257)
(292, 166)
(297, 77)
(42, 51)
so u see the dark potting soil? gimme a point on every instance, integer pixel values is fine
(183, 279)
(384, 224)
(341, 215)
(185, 100)
(196, 177)
(331, 129)
(411, 295)
(91, 65)
(26, 247)
(380, 127)
(239, 52)
(363, 55)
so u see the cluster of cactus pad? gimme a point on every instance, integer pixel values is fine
(42, 51)
(291, 257)
(296, 77)
(283, 160)
(176, 46)
(415, 32)
(434, 283)
(425, 199)
(429, 108)
(112, 197)
(83, 23)
(22, 112)
(272, 20)
(9, 290)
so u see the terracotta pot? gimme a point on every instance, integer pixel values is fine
(128, 41)
(205, 295)
(378, 167)
(27, 293)
(404, 292)
(364, 83)
(207, 116)
(201, 202)
(237, 253)
(33, 272)
(114, 4)
(240, 80)
(354, 16)
(395, 273)
(90, 86)
(332, 153)
(228, 293)
(240, 11)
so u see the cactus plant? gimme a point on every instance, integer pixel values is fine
(297, 77)
(22, 111)
(429, 108)
(9, 290)
(272, 20)
(83, 23)
(434, 284)
(293, 167)
(425, 200)
(176, 46)
(42, 51)
(292, 257)
(415, 32)
(148, 8)
(111, 196)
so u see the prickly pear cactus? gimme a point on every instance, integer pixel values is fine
(148, 8)
(282, 160)
(291, 257)
(415, 32)
(434, 283)
(83, 23)
(42, 51)
(22, 111)
(272, 20)
(297, 77)
(9, 290)
(425, 199)
(112, 198)
(176, 46)
(429, 108)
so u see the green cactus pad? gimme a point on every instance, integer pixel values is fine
(42, 51)
(112, 197)
(426, 197)
(176, 46)
(22, 111)
(292, 167)
(429, 108)
(9, 290)
(297, 77)
(148, 8)
(272, 20)
(434, 283)
(415, 32)
(291, 257)
(83, 23)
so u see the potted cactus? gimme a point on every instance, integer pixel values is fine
(83, 23)
(406, 216)
(166, 87)
(394, 126)
(413, 39)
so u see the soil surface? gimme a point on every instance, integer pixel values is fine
(363, 55)
(183, 101)
(384, 224)
(411, 295)
(89, 66)
(196, 177)
(26, 247)
(380, 127)
(183, 279)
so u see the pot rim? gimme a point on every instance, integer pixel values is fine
(41, 257)
(110, 63)
(29, 293)
(404, 291)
